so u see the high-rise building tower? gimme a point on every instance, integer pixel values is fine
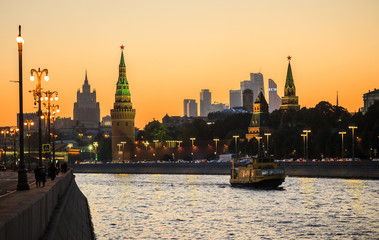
(273, 97)
(205, 102)
(235, 98)
(290, 100)
(248, 100)
(190, 108)
(257, 83)
(86, 109)
(260, 119)
(122, 116)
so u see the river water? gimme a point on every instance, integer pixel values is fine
(127, 206)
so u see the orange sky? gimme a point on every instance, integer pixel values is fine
(176, 48)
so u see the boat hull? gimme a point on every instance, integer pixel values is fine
(266, 183)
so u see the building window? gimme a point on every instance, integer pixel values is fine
(117, 124)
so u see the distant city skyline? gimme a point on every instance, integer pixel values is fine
(176, 48)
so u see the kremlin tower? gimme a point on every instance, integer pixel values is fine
(260, 118)
(122, 115)
(290, 100)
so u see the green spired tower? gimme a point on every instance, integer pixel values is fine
(122, 114)
(290, 100)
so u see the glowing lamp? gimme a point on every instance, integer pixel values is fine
(46, 98)
(51, 99)
(20, 40)
(46, 78)
(58, 110)
(32, 123)
(31, 78)
(56, 98)
(25, 124)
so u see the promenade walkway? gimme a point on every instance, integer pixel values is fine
(8, 182)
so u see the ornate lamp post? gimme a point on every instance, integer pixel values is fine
(49, 96)
(28, 123)
(192, 140)
(307, 142)
(216, 140)
(37, 99)
(342, 133)
(70, 145)
(5, 133)
(259, 145)
(352, 137)
(236, 146)
(268, 143)
(155, 147)
(22, 177)
(54, 110)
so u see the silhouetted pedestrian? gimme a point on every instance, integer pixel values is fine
(64, 167)
(37, 175)
(52, 171)
(43, 176)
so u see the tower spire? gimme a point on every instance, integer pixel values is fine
(86, 79)
(337, 98)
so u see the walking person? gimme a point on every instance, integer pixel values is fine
(43, 176)
(52, 172)
(37, 175)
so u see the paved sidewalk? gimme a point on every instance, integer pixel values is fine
(8, 181)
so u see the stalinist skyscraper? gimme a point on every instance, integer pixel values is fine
(122, 116)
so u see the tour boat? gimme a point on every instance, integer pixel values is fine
(259, 173)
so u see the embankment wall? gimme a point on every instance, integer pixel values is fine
(57, 211)
(362, 170)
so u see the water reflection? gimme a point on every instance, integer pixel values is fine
(206, 207)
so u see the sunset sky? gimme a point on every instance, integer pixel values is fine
(175, 48)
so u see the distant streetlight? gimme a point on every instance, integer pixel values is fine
(70, 145)
(13, 131)
(216, 140)
(119, 150)
(192, 139)
(342, 133)
(5, 133)
(268, 143)
(28, 123)
(90, 147)
(123, 151)
(307, 142)
(146, 145)
(22, 176)
(236, 146)
(95, 144)
(259, 145)
(352, 137)
(304, 136)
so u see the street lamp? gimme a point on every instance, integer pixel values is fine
(342, 133)
(304, 136)
(259, 145)
(146, 144)
(236, 146)
(307, 142)
(155, 147)
(54, 110)
(28, 123)
(90, 147)
(192, 140)
(268, 142)
(37, 99)
(95, 144)
(119, 150)
(5, 132)
(13, 131)
(22, 177)
(70, 145)
(49, 96)
(216, 140)
(352, 137)
(123, 152)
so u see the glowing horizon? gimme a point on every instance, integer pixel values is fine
(176, 48)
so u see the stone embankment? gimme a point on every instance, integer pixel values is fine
(361, 170)
(57, 211)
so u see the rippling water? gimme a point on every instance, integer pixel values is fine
(205, 207)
